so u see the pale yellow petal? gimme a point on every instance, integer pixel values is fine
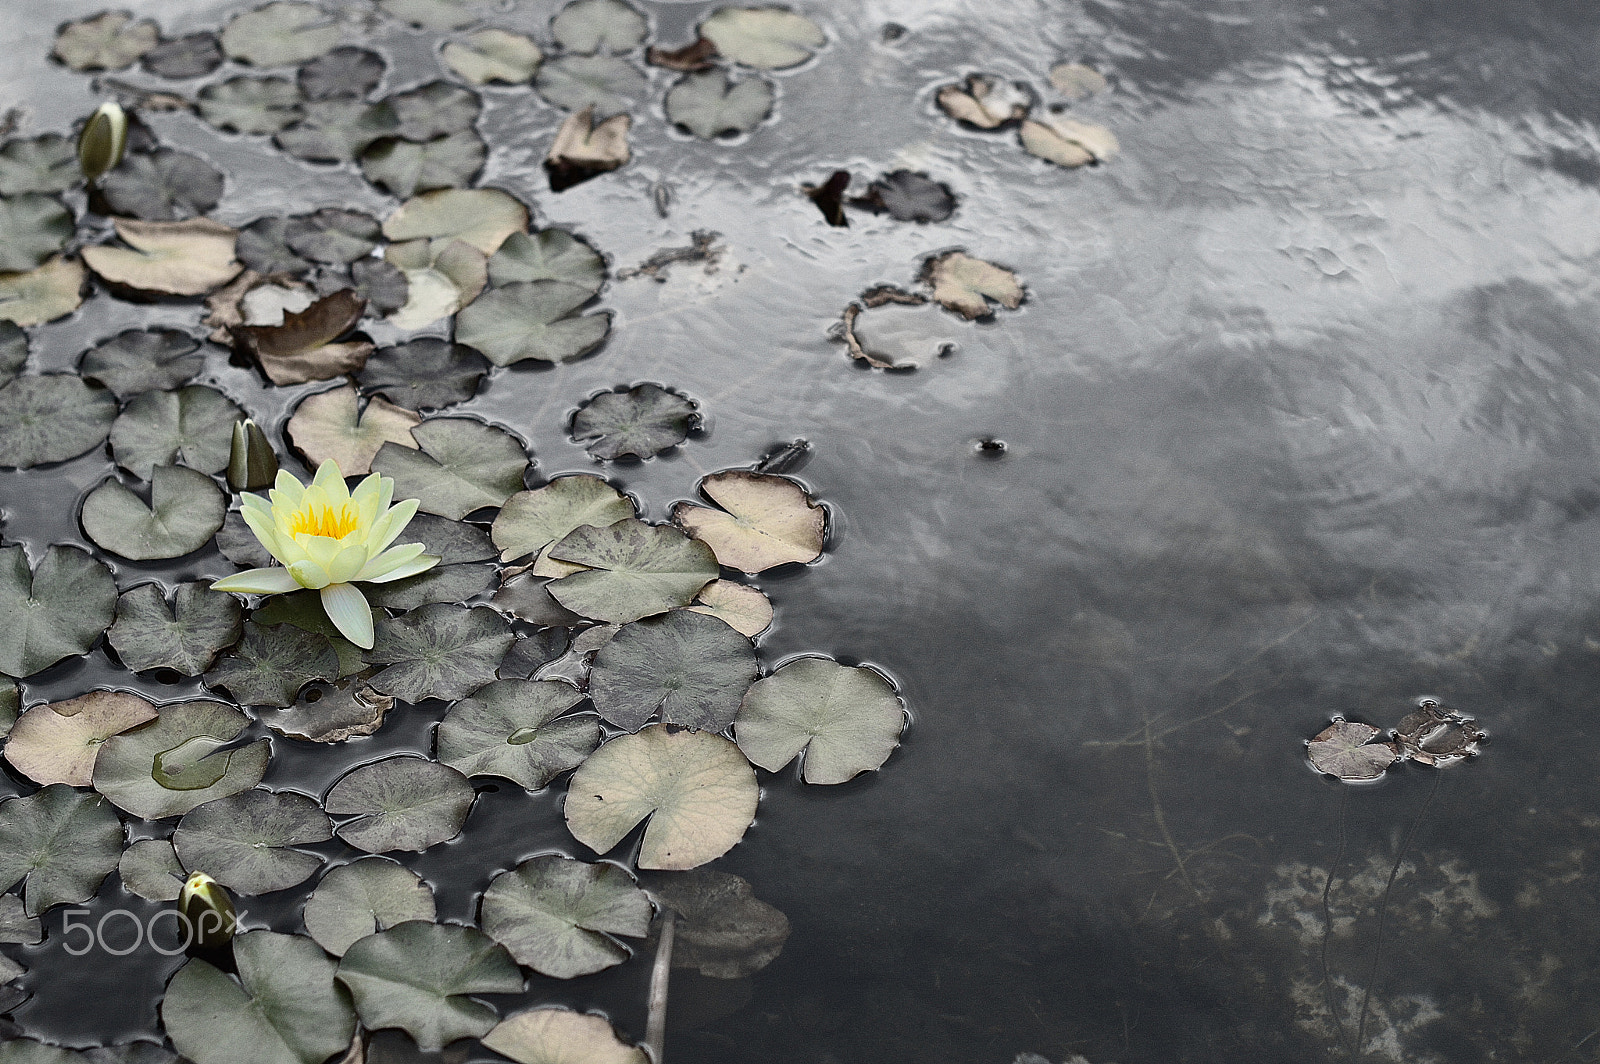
(270, 581)
(347, 608)
(381, 564)
(308, 573)
(331, 481)
(347, 563)
(388, 527)
(420, 564)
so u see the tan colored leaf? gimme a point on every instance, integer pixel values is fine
(58, 743)
(442, 276)
(741, 607)
(303, 348)
(1345, 749)
(1076, 81)
(493, 55)
(1068, 142)
(963, 284)
(326, 426)
(483, 217)
(579, 142)
(52, 291)
(986, 102)
(769, 520)
(188, 258)
(560, 1036)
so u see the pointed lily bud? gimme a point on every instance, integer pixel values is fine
(102, 142)
(209, 910)
(251, 461)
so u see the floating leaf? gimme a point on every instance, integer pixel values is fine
(11, 703)
(174, 258)
(110, 40)
(286, 1007)
(548, 255)
(59, 843)
(250, 105)
(1345, 749)
(767, 38)
(493, 55)
(909, 197)
(400, 803)
(162, 186)
(246, 841)
(561, 917)
(51, 418)
(463, 465)
(769, 520)
(404, 167)
(52, 291)
(143, 360)
(191, 56)
(482, 217)
(417, 976)
(56, 612)
(510, 728)
(1067, 141)
(436, 109)
(642, 421)
(711, 105)
(603, 82)
(1076, 81)
(264, 248)
(634, 570)
(846, 720)
(333, 235)
(303, 609)
(185, 636)
(438, 651)
(347, 709)
(743, 608)
(280, 34)
(1437, 736)
(532, 320)
(452, 542)
(532, 520)
(58, 742)
(179, 760)
(589, 26)
(442, 276)
(46, 163)
(346, 71)
(271, 664)
(962, 283)
(304, 347)
(986, 102)
(442, 583)
(527, 598)
(13, 351)
(430, 14)
(185, 510)
(357, 899)
(697, 789)
(150, 869)
(529, 653)
(240, 546)
(425, 374)
(583, 150)
(337, 130)
(33, 227)
(723, 929)
(692, 669)
(560, 1036)
(326, 426)
(192, 426)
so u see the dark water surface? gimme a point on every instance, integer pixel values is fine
(1302, 417)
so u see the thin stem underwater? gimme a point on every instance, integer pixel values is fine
(656, 1027)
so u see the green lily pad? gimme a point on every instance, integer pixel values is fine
(606, 83)
(400, 803)
(561, 1036)
(425, 374)
(185, 510)
(724, 930)
(696, 788)
(280, 34)
(642, 421)
(634, 570)
(846, 720)
(111, 40)
(548, 255)
(162, 186)
(452, 542)
(143, 360)
(530, 521)
(767, 38)
(250, 105)
(56, 612)
(58, 742)
(765, 521)
(286, 1007)
(493, 55)
(240, 546)
(178, 761)
(191, 56)
(333, 235)
(405, 167)
(430, 14)
(531, 652)
(185, 636)
(332, 713)
(438, 651)
(46, 163)
(482, 217)
(192, 426)
(60, 843)
(52, 291)
(51, 418)
(345, 71)
(561, 917)
(691, 668)
(150, 869)
(585, 27)
(337, 130)
(263, 247)
(270, 665)
(33, 226)
(532, 320)
(510, 728)
(327, 426)
(442, 583)
(463, 465)
(246, 841)
(303, 610)
(527, 598)
(710, 105)
(363, 897)
(436, 109)
(417, 976)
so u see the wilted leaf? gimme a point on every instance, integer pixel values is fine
(400, 803)
(185, 510)
(271, 664)
(60, 842)
(404, 167)
(332, 713)
(162, 186)
(510, 728)
(58, 742)
(110, 40)
(179, 760)
(46, 163)
(560, 917)
(583, 150)
(603, 82)
(280, 34)
(709, 104)
(634, 570)
(442, 276)
(51, 418)
(493, 55)
(438, 651)
(1434, 735)
(303, 348)
(55, 612)
(1067, 141)
(741, 607)
(723, 929)
(191, 56)
(346, 71)
(462, 466)
(986, 102)
(963, 284)
(250, 105)
(337, 130)
(699, 54)
(33, 227)
(767, 38)
(357, 899)
(246, 841)
(192, 426)
(185, 637)
(692, 669)
(150, 869)
(326, 426)
(846, 720)
(642, 421)
(560, 1036)
(483, 217)
(426, 373)
(1345, 749)
(174, 258)
(52, 291)
(769, 520)
(1076, 81)
(532, 320)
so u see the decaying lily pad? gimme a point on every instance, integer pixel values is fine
(561, 1036)
(329, 425)
(690, 668)
(247, 841)
(986, 102)
(723, 929)
(515, 729)
(965, 285)
(357, 899)
(51, 418)
(58, 742)
(741, 607)
(632, 570)
(642, 421)
(583, 150)
(304, 347)
(908, 197)
(493, 55)
(562, 917)
(55, 611)
(172, 258)
(846, 720)
(400, 803)
(185, 636)
(767, 38)
(710, 104)
(765, 520)
(60, 843)
(185, 510)
(442, 276)
(1345, 749)
(1434, 735)
(460, 466)
(45, 294)
(1076, 81)
(1067, 141)
(179, 760)
(339, 711)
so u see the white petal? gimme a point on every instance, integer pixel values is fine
(381, 565)
(347, 563)
(420, 564)
(272, 581)
(347, 608)
(393, 523)
(288, 489)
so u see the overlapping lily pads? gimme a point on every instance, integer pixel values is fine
(530, 521)
(179, 760)
(170, 258)
(142, 360)
(185, 510)
(562, 917)
(846, 720)
(162, 186)
(33, 227)
(360, 898)
(632, 570)
(59, 843)
(561, 1036)
(548, 255)
(192, 427)
(307, 346)
(345, 71)
(59, 741)
(329, 425)
(515, 729)
(442, 276)
(403, 167)
(53, 612)
(185, 636)
(459, 466)
(246, 841)
(690, 668)
(46, 163)
(337, 130)
(482, 217)
(190, 56)
(270, 664)
(535, 320)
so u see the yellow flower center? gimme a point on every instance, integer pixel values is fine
(325, 521)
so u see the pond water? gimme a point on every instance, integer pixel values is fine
(1301, 417)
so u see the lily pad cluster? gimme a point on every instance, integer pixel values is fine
(1431, 735)
(970, 287)
(989, 103)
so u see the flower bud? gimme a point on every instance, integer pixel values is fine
(209, 911)
(251, 461)
(102, 142)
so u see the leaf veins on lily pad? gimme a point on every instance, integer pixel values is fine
(58, 742)
(179, 760)
(548, 255)
(346, 71)
(55, 611)
(271, 664)
(142, 360)
(365, 896)
(440, 650)
(1345, 749)
(536, 320)
(51, 418)
(170, 258)
(632, 570)
(515, 729)
(185, 510)
(459, 466)
(400, 803)
(60, 842)
(162, 186)
(192, 426)
(691, 668)
(846, 720)
(642, 421)
(425, 374)
(246, 841)
(765, 520)
(304, 347)
(561, 917)
(184, 636)
(530, 521)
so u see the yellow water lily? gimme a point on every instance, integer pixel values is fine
(327, 538)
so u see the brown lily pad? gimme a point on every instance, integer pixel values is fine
(303, 348)
(188, 258)
(583, 150)
(1345, 749)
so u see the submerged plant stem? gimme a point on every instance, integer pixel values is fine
(656, 1028)
(1327, 921)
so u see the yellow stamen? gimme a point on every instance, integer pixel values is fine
(325, 521)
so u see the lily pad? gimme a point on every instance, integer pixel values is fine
(263, 247)
(909, 197)
(452, 542)
(462, 466)
(246, 841)
(186, 509)
(240, 546)
(305, 347)
(191, 56)
(529, 653)
(767, 38)
(179, 760)
(337, 130)
(1077, 81)
(327, 426)
(286, 1007)
(250, 105)
(493, 55)
(510, 728)
(150, 869)
(11, 704)
(743, 608)
(986, 102)
(585, 27)
(603, 82)
(143, 360)
(442, 583)
(59, 843)
(442, 276)
(1436, 736)
(58, 742)
(562, 917)
(192, 426)
(532, 520)
(418, 976)
(13, 351)
(1345, 749)
(696, 788)
(765, 521)
(436, 109)
(642, 421)
(271, 664)
(111, 40)
(532, 320)
(346, 71)
(634, 570)
(692, 669)
(46, 163)
(438, 651)
(424, 374)
(1067, 141)
(583, 149)
(710, 105)
(280, 34)
(162, 186)
(172, 258)
(340, 711)
(33, 227)
(400, 803)
(333, 234)
(548, 255)
(51, 418)
(561, 1036)
(527, 598)
(303, 609)
(430, 14)
(846, 720)
(57, 611)
(482, 217)
(52, 291)
(406, 167)
(964, 284)
(723, 930)
(360, 898)
(185, 636)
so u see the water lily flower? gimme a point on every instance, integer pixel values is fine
(328, 538)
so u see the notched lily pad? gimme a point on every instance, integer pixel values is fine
(723, 930)
(185, 636)
(440, 650)
(536, 320)
(360, 898)
(690, 668)
(305, 348)
(846, 720)
(986, 102)
(56, 611)
(337, 712)
(247, 841)
(562, 917)
(337, 130)
(741, 607)
(1434, 735)
(424, 374)
(493, 55)
(143, 360)
(250, 105)
(530, 521)
(482, 217)
(185, 510)
(329, 425)
(150, 869)
(46, 163)
(765, 520)
(711, 105)
(191, 56)
(162, 186)
(515, 729)
(908, 197)
(58, 742)
(966, 285)
(461, 466)
(400, 803)
(271, 664)
(1345, 749)
(171, 258)
(280, 34)
(111, 40)
(585, 27)
(642, 421)
(606, 83)
(333, 234)
(52, 291)
(51, 418)
(192, 426)
(60, 843)
(263, 247)
(633, 570)
(179, 760)
(560, 1036)
(548, 255)
(405, 167)
(346, 71)
(442, 276)
(767, 38)
(33, 227)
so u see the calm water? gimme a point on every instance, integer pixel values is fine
(1302, 417)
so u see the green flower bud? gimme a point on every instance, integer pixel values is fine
(102, 142)
(208, 909)
(251, 462)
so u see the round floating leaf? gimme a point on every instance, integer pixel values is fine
(357, 899)
(510, 728)
(403, 167)
(191, 56)
(558, 916)
(482, 217)
(1067, 141)
(33, 227)
(57, 743)
(401, 803)
(143, 360)
(186, 636)
(192, 426)
(280, 34)
(438, 651)
(270, 665)
(634, 570)
(286, 1007)
(532, 520)
(251, 105)
(425, 374)
(442, 276)
(697, 789)
(1345, 749)
(346, 71)
(185, 510)
(50, 292)
(333, 235)
(337, 130)
(529, 653)
(532, 320)
(462, 466)
(13, 351)
(335, 713)
(110, 40)
(962, 283)
(453, 542)
(173, 258)
(548, 255)
(62, 842)
(589, 26)
(769, 520)
(723, 929)
(846, 720)
(430, 14)
(417, 976)
(493, 55)
(52, 418)
(264, 248)
(326, 426)
(178, 761)
(642, 421)
(691, 668)
(767, 38)
(46, 163)
(743, 608)
(56, 612)
(605, 83)
(560, 1036)
(150, 869)
(909, 197)
(162, 186)
(245, 841)
(711, 105)
(436, 109)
